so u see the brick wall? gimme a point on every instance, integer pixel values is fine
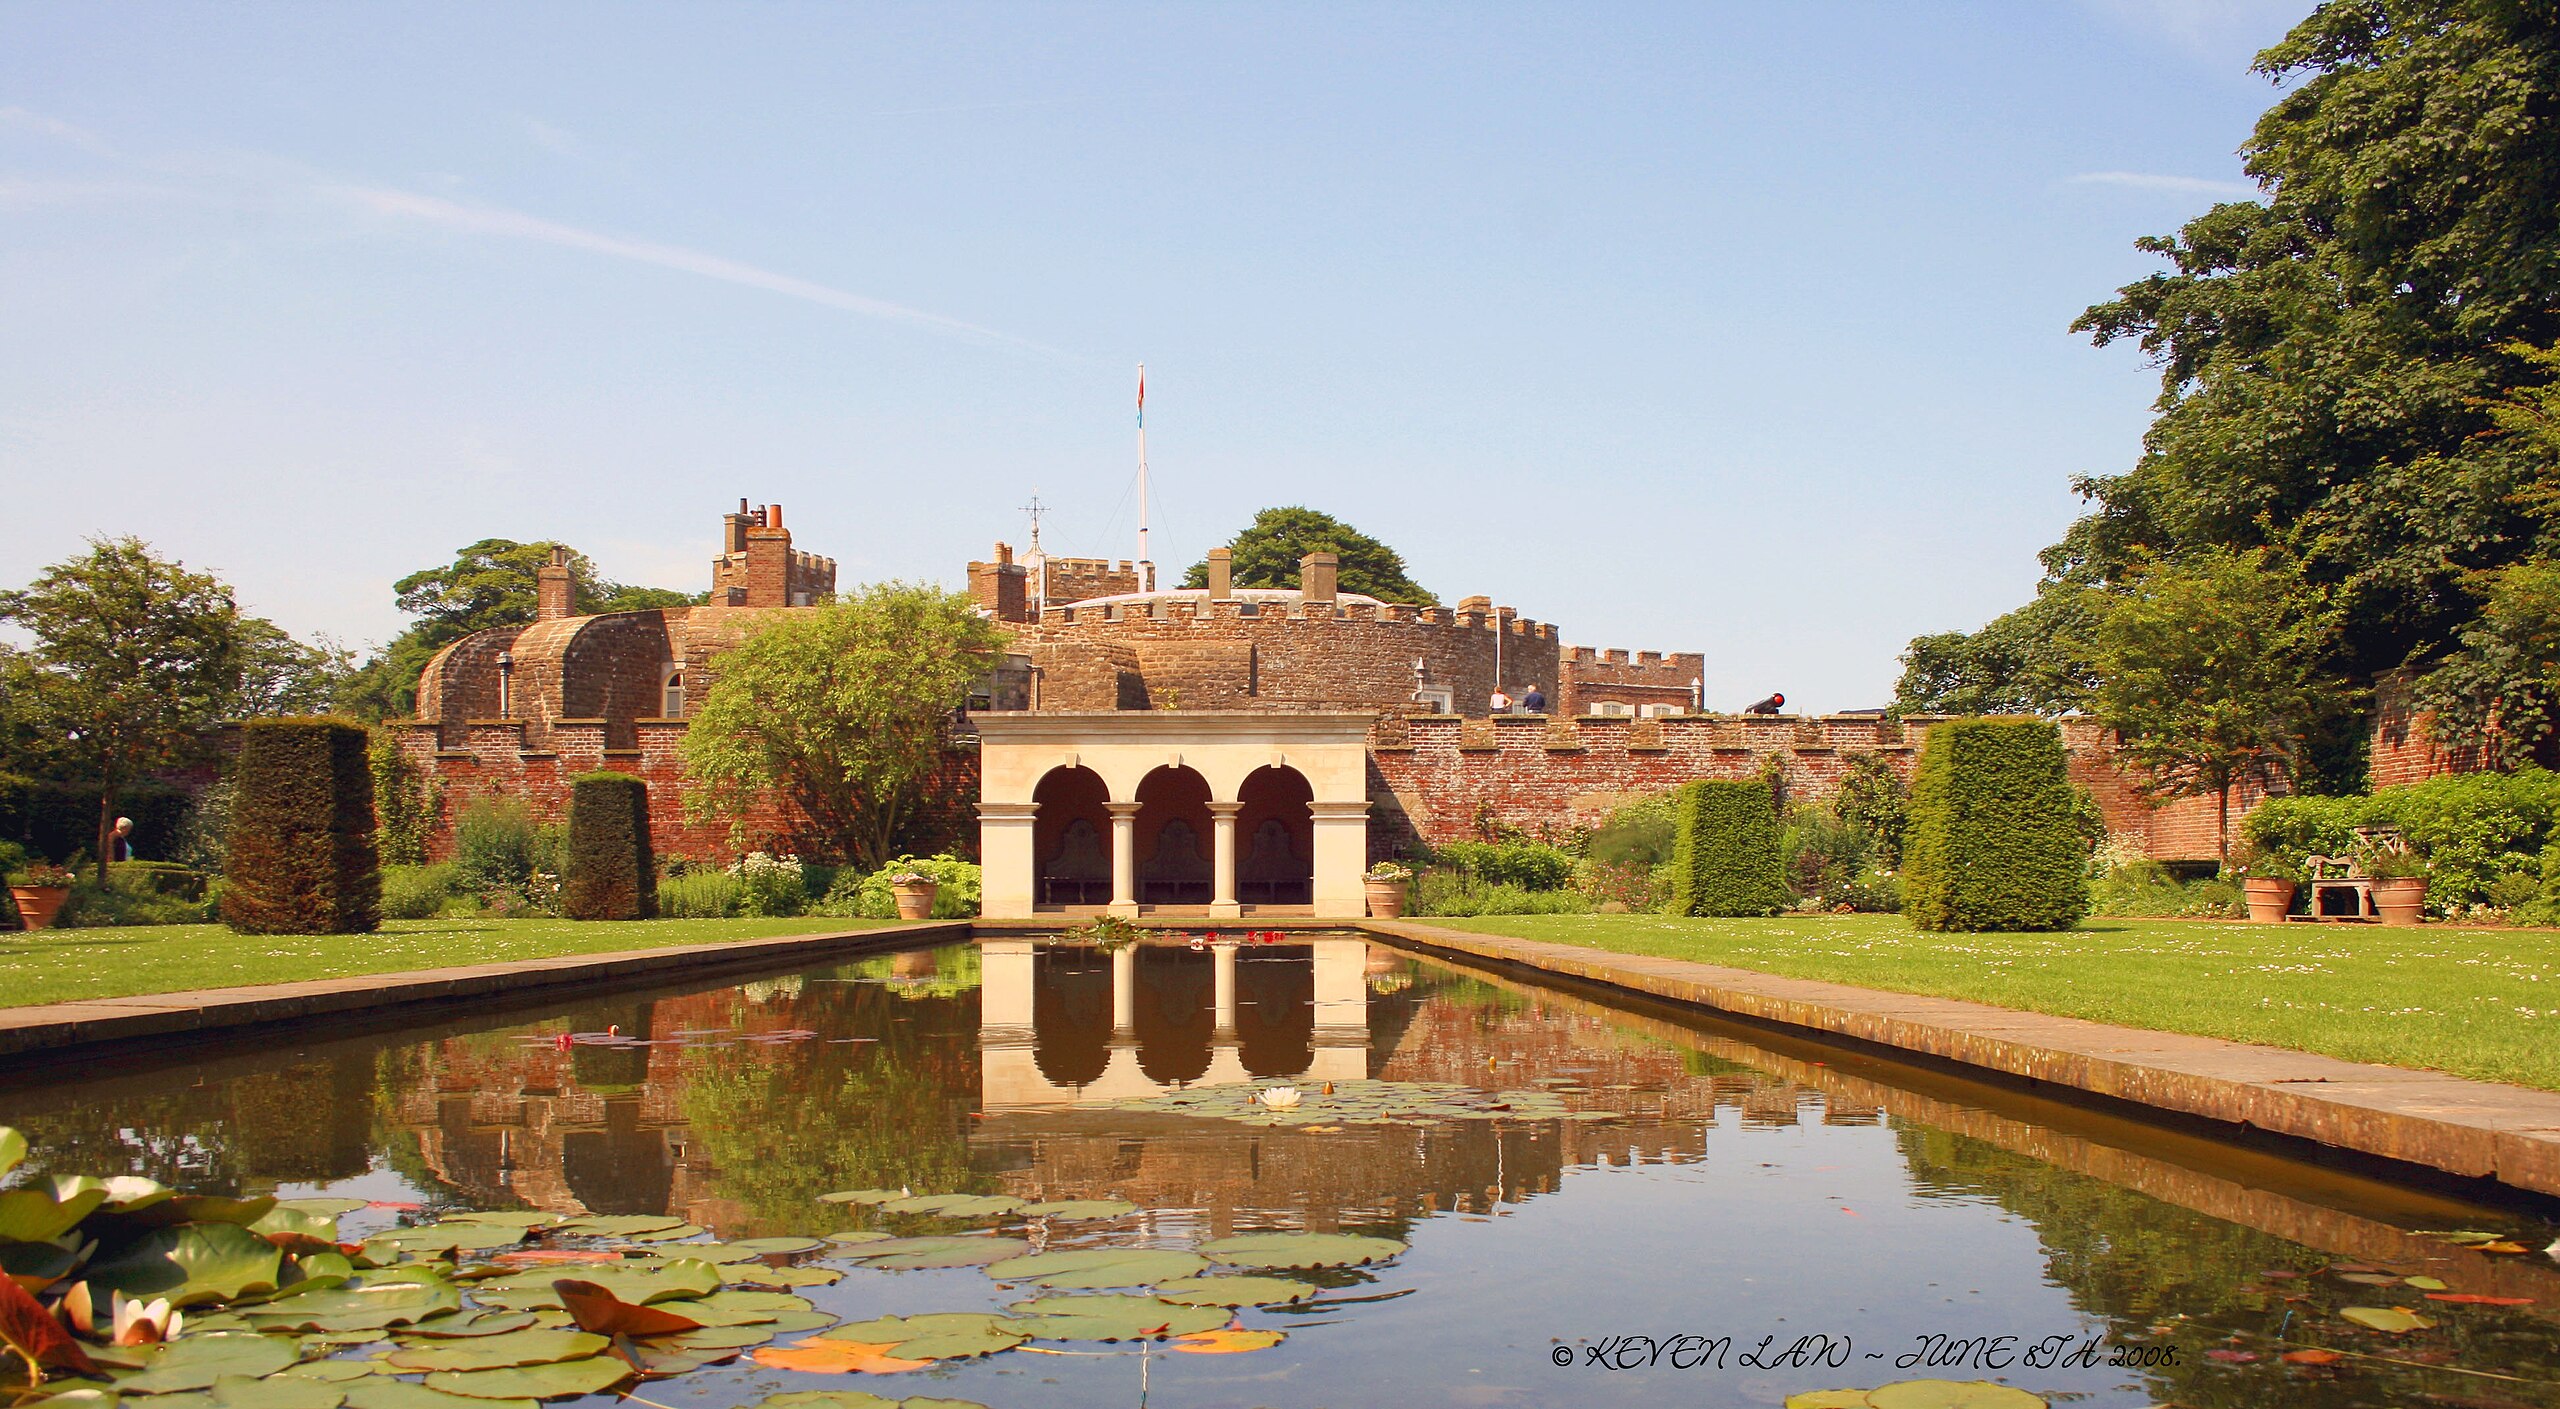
(1591, 677)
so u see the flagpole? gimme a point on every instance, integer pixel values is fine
(1146, 564)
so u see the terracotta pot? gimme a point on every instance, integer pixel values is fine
(38, 905)
(1386, 899)
(2400, 899)
(2269, 899)
(915, 899)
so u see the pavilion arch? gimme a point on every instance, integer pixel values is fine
(1176, 785)
(1275, 837)
(1071, 836)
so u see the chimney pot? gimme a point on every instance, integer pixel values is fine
(1316, 574)
(1222, 575)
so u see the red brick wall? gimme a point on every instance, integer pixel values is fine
(1647, 678)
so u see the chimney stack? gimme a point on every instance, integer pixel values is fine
(1222, 574)
(553, 598)
(1315, 576)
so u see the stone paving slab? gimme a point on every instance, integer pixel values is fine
(2477, 1129)
(53, 1027)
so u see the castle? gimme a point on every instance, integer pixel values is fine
(1099, 654)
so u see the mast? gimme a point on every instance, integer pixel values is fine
(1146, 565)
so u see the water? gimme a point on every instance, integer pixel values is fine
(1657, 1177)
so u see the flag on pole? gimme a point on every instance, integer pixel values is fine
(1142, 398)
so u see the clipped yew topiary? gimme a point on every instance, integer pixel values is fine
(1993, 840)
(302, 857)
(610, 874)
(1724, 856)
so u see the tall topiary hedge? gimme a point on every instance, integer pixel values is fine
(1724, 857)
(302, 855)
(1993, 842)
(611, 874)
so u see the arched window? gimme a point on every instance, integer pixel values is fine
(671, 690)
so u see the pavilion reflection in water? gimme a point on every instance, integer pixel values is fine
(1061, 1024)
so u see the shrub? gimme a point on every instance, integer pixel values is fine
(1527, 864)
(404, 801)
(302, 854)
(869, 897)
(2143, 888)
(416, 892)
(608, 873)
(1994, 839)
(1447, 892)
(698, 893)
(2473, 829)
(1638, 834)
(771, 885)
(1873, 800)
(1607, 884)
(138, 893)
(1725, 858)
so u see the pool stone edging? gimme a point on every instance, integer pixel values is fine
(52, 1027)
(2474, 1129)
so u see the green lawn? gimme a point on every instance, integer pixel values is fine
(54, 966)
(2476, 1002)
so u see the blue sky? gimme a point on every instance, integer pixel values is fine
(1724, 327)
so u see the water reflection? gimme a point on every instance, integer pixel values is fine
(1673, 1175)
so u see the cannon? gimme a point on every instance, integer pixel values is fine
(1770, 705)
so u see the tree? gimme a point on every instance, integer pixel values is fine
(491, 583)
(134, 659)
(280, 675)
(844, 710)
(1267, 554)
(2209, 668)
(2028, 661)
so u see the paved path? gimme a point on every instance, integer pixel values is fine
(52, 1027)
(2478, 1129)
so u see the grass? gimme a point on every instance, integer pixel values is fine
(2481, 1003)
(56, 966)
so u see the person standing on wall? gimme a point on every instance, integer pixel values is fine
(1501, 702)
(1534, 702)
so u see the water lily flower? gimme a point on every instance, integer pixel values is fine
(1279, 1098)
(139, 1322)
(78, 1309)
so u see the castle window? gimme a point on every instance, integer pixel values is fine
(1658, 711)
(671, 690)
(1613, 709)
(1437, 699)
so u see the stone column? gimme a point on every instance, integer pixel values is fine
(1124, 857)
(1010, 883)
(1223, 961)
(1222, 869)
(1342, 857)
(1124, 993)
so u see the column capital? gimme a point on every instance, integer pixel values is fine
(1338, 811)
(1008, 811)
(1225, 809)
(1123, 809)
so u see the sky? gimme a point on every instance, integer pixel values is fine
(1725, 327)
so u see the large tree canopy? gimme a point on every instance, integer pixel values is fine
(844, 709)
(1267, 554)
(2331, 354)
(491, 583)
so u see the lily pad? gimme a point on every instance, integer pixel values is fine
(191, 1264)
(1079, 1208)
(323, 1207)
(677, 1233)
(436, 1237)
(2386, 1318)
(36, 1216)
(1093, 1268)
(954, 1205)
(617, 1225)
(858, 1235)
(826, 1399)
(195, 1362)
(755, 1274)
(914, 1254)
(380, 1393)
(1952, 1394)
(336, 1372)
(375, 1302)
(1828, 1399)
(1232, 1340)
(531, 1347)
(710, 1338)
(1234, 1291)
(949, 1335)
(678, 1279)
(1112, 1318)
(474, 1323)
(862, 1196)
(512, 1217)
(281, 1219)
(276, 1392)
(558, 1380)
(1301, 1249)
(37, 1266)
(13, 1149)
(746, 1249)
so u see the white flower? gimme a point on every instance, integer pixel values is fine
(145, 1323)
(1279, 1098)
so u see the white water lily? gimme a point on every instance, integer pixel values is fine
(145, 1322)
(1279, 1098)
(79, 1310)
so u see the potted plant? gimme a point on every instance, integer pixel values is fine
(2399, 881)
(914, 890)
(1386, 884)
(2268, 882)
(40, 889)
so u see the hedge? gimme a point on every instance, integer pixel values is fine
(60, 820)
(1724, 857)
(302, 853)
(2472, 828)
(1993, 841)
(610, 874)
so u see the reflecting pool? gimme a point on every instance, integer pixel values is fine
(1593, 1203)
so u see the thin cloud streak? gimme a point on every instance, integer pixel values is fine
(496, 220)
(2153, 181)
